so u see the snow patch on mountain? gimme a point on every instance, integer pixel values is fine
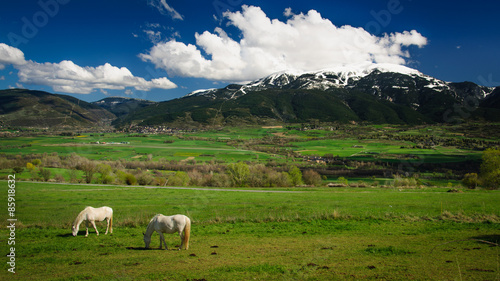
(335, 77)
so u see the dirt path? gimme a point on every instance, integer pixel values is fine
(131, 187)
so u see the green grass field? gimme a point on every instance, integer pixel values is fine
(279, 234)
(237, 144)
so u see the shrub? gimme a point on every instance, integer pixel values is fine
(179, 179)
(295, 176)
(343, 181)
(196, 178)
(144, 178)
(44, 174)
(219, 180)
(59, 178)
(404, 182)
(130, 179)
(238, 173)
(17, 170)
(312, 178)
(30, 166)
(73, 175)
(490, 168)
(107, 179)
(277, 179)
(470, 180)
(256, 176)
(89, 168)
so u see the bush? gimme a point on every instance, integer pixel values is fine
(312, 178)
(107, 179)
(277, 179)
(89, 168)
(30, 166)
(17, 170)
(130, 179)
(295, 176)
(238, 173)
(343, 181)
(145, 179)
(195, 178)
(404, 182)
(470, 180)
(44, 174)
(179, 179)
(59, 178)
(73, 175)
(490, 168)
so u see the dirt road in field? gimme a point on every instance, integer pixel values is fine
(224, 189)
(104, 187)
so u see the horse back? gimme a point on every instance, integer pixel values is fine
(170, 224)
(101, 213)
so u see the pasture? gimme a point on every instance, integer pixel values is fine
(266, 234)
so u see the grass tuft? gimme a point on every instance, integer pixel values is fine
(387, 251)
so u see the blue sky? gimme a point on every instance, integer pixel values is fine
(164, 49)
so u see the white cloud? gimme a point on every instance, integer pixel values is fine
(164, 8)
(154, 36)
(305, 42)
(68, 77)
(2, 78)
(10, 55)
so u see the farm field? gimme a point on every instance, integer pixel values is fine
(260, 234)
(247, 144)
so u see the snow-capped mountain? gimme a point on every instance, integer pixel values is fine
(368, 77)
(375, 93)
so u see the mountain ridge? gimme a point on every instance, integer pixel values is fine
(376, 93)
(369, 93)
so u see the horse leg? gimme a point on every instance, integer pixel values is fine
(162, 238)
(107, 228)
(182, 240)
(86, 228)
(93, 224)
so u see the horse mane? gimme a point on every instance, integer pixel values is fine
(153, 219)
(80, 215)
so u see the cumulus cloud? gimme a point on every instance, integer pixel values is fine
(68, 77)
(10, 55)
(305, 42)
(164, 8)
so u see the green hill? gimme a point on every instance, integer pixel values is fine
(27, 108)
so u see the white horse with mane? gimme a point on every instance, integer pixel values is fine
(91, 215)
(169, 224)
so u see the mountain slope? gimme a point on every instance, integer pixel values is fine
(373, 93)
(20, 107)
(121, 107)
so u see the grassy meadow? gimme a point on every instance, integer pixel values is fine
(263, 234)
(373, 228)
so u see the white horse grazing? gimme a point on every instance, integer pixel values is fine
(91, 215)
(169, 224)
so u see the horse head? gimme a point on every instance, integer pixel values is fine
(147, 240)
(74, 230)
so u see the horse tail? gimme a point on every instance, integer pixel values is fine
(187, 233)
(111, 223)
